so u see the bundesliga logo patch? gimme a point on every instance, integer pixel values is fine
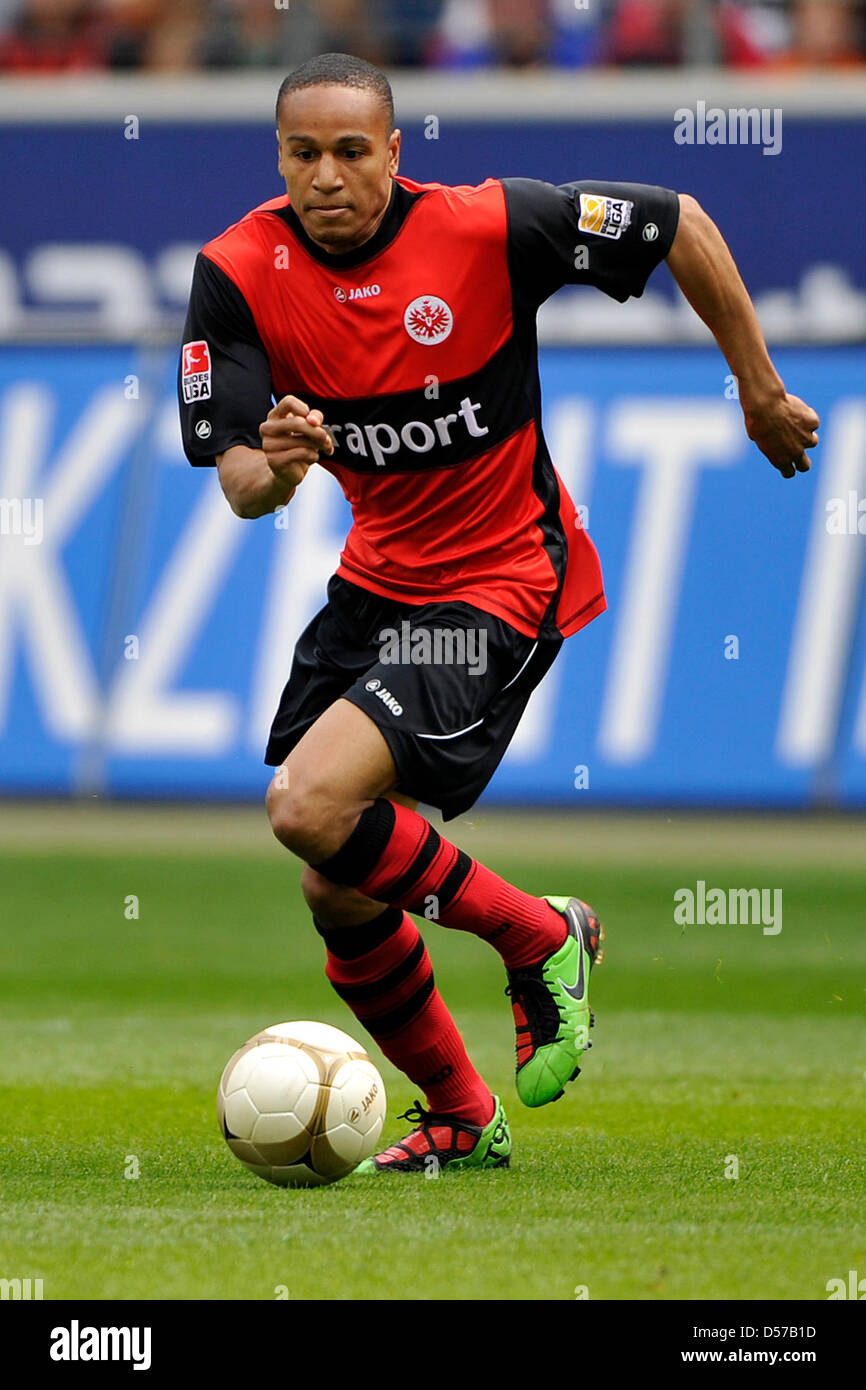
(604, 216)
(195, 372)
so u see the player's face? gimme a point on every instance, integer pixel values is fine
(337, 159)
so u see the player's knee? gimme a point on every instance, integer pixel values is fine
(291, 815)
(328, 902)
(318, 892)
(307, 819)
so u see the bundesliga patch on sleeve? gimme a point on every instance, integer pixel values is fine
(604, 216)
(195, 372)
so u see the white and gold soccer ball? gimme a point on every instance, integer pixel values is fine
(301, 1104)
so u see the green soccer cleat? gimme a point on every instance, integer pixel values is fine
(551, 1007)
(443, 1141)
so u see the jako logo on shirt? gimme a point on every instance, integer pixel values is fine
(428, 319)
(359, 292)
(195, 371)
(376, 688)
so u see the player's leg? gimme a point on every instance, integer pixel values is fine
(331, 808)
(378, 964)
(549, 946)
(376, 958)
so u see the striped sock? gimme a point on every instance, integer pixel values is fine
(383, 972)
(396, 856)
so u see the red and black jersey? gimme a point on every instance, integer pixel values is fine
(420, 349)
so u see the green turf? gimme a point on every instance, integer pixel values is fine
(711, 1042)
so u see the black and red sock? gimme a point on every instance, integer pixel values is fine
(383, 972)
(396, 856)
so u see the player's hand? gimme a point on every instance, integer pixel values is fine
(783, 431)
(293, 436)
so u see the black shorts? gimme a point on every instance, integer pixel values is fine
(445, 683)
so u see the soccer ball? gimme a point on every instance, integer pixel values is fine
(301, 1104)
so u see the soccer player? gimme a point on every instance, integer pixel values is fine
(385, 330)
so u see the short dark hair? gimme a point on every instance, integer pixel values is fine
(339, 70)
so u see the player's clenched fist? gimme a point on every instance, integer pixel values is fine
(783, 431)
(293, 436)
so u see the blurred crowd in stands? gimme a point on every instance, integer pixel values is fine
(183, 35)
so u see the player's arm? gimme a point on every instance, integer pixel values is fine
(257, 481)
(612, 236)
(781, 425)
(249, 485)
(225, 391)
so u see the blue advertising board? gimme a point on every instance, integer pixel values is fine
(100, 218)
(146, 632)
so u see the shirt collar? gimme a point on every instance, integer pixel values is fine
(400, 202)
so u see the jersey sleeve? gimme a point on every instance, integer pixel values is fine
(223, 377)
(609, 235)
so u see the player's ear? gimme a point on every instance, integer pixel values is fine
(394, 151)
(279, 154)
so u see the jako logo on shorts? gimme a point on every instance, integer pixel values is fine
(376, 687)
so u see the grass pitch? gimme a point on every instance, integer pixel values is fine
(717, 1050)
